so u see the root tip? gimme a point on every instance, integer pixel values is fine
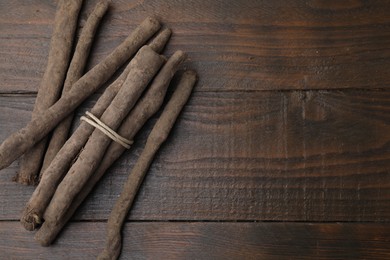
(41, 239)
(30, 221)
(25, 181)
(191, 73)
(153, 19)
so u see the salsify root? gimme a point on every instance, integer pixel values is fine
(144, 109)
(157, 136)
(65, 25)
(139, 76)
(159, 42)
(21, 141)
(75, 71)
(33, 212)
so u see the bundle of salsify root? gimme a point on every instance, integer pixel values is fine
(65, 167)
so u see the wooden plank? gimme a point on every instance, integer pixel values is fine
(208, 241)
(246, 45)
(281, 156)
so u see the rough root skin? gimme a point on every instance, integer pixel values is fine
(144, 66)
(75, 71)
(65, 25)
(157, 136)
(22, 140)
(145, 108)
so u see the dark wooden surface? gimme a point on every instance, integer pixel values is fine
(163, 240)
(282, 152)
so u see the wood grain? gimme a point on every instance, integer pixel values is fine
(281, 156)
(289, 123)
(246, 45)
(208, 241)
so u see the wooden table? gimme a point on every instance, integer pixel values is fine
(282, 152)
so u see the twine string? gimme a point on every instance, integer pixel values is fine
(95, 122)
